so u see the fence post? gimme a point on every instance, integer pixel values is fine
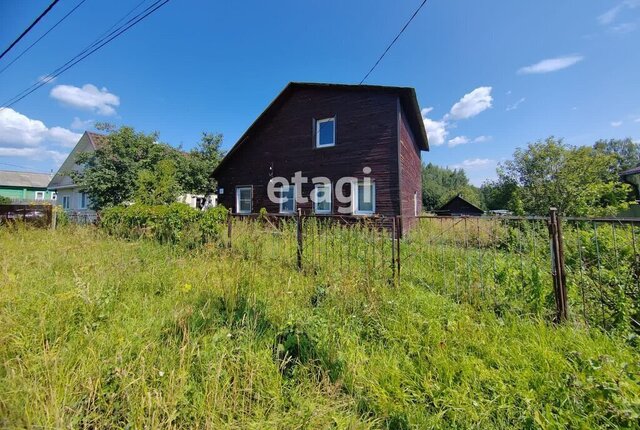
(398, 235)
(54, 217)
(557, 266)
(229, 227)
(299, 237)
(393, 251)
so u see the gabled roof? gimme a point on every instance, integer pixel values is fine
(97, 140)
(407, 96)
(89, 141)
(444, 207)
(9, 178)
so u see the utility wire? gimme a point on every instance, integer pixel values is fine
(87, 52)
(51, 76)
(41, 37)
(24, 33)
(393, 41)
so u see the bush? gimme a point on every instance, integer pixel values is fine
(5, 200)
(176, 223)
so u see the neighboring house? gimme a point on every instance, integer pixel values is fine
(632, 177)
(333, 131)
(458, 206)
(70, 197)
(24, 187)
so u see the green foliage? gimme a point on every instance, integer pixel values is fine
(135, 165)
(174, 223)
(105, 333)
(158, 186)
(625, 151)
(439, 185)
(197, 166)
(576, 180)
(5, 200)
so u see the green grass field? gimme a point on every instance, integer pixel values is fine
(97, 332)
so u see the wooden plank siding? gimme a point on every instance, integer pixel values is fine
(366, 136)
(372, 129)
(410, 171)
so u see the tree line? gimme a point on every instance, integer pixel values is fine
(578, 180)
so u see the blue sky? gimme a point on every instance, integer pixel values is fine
(490, 76)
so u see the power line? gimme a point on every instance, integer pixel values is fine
(48, 78)
(41, 37)
(46, 11)
(393, 41)
(87, 52)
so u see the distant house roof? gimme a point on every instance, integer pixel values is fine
(407, 95)
(97, 140)
(10, 178)
(629, 172)
(459, 206)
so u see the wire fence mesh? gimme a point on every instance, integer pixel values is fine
(506, 265)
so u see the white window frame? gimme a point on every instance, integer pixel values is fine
(415, 204)
(53, 195)
(287, 188)
(66, 202)
(356, 190)
(238, 189)
(320, 121)
(39, 193)
(315, 197)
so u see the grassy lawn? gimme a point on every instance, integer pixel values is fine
(104, 333)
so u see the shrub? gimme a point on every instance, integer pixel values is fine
(5, 200)
(176, 223)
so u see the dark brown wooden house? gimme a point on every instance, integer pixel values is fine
(332, 131)
(458, 206)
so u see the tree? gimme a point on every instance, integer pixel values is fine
(440, 184)
(197, 166)
(136, 166)
(625, 151)
(499, 194)
(158, 186)
(576, 180)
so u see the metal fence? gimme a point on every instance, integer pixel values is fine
(586, 270)
(36, 215)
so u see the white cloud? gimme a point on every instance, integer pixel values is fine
(88, 97)
(21, 132)
(47, 79)
(482, 139)
(515, 105)
(551, 64)
(624, 28)
(78, 124)
(609, 16)
(472, 104)
(616, 123)
(37, 154)
(458, 140)
(474, 163)
(436, 130)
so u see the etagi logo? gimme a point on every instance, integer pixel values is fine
(280, 190)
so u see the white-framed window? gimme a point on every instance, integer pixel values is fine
(244, 197)
(416, 209)
(53, 195)
(83, 200)
(325, 132)
(287, 199)
(39, 195)
(65, 202)
(365, 198)
(322, 199)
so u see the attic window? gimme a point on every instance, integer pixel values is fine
(325, 132)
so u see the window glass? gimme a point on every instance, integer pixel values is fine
(366, 198)
(39, 195)
(323, 198)
(288, 202)
(243, 200)
(326, 132)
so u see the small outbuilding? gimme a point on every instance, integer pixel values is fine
(458, 206)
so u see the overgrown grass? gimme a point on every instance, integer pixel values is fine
(103, 333)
